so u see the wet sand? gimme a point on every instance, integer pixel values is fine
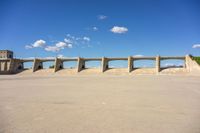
(99, 104)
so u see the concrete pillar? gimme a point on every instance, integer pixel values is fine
(130, 64)
(187, 61)
(19, 66)
(81, 64)
(2, 66)
(11, 66)
(157, 64)
(5, 66)
(185, 64)
(37, 64)
(58, 64)
(104, 64)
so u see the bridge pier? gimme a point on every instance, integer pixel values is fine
(157, 64)
(58, 65)
(187, 58)
(15, 65)
(37, 64)
(104, 64)
(188, 63)
(81, 64)
(19, 65)
(130, 64)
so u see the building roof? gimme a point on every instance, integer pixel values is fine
(6, 51)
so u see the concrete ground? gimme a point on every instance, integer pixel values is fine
(99, 104)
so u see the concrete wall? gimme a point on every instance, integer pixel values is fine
(58, 64)
(191, 65)
(9, 66)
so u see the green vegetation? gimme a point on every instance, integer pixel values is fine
(197, 59)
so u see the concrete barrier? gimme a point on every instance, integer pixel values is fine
(13, 65)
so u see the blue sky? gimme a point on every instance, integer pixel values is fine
(96, 28)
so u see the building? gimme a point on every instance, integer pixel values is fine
(6, 54)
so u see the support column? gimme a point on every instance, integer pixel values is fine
(19, 66)
(157, 64)
(130, 64)
(104, 64)
(58, 65)
(81, 64)
(11, 67)
(5, 66)
(187, 61)
(37, 64)
(0, 66)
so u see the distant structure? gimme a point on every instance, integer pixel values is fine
(5, 54)
(10, 65)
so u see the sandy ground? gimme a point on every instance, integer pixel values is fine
(99, 104)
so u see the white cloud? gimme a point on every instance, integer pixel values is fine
(60, 55)
(52, 49)
(94, 28)
(138, 55)
(39, 43)
(170, 65)
(28, 47)
(78, 38)
(196, 46)
(58, 46)
(173, 65)
(102, 17)
(86, 38)
(119, 30)
(70, 36)
(77, 41)
(36, 44)
(50, 57)
(61, 45)
(69, 45)
(67, 40)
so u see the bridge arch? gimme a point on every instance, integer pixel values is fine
(92, 64)
(71, 64)
(144, 63)
(172, 63)
(117, 63)
(43, 64)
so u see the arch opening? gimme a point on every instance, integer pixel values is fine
(48, 65)
(172, 63)
(27, 65)
(92, 64)
(69, 64)
(118, 64)
(144, 64)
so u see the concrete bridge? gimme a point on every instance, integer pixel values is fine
(17, 65)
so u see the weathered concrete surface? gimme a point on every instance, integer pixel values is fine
(16, 65)
(99, 104)
(130, 64)
(37, 64)
(58, 65)
(81, 64)
(104, 64)
(192, 66)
